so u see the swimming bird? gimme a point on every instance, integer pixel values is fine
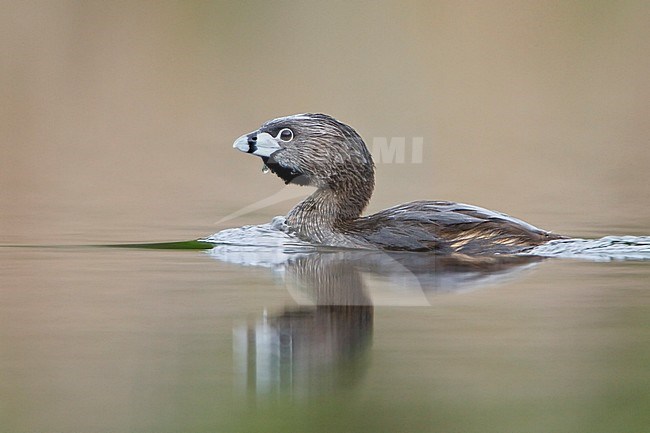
(318, 150)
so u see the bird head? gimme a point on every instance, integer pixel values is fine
(310, 149)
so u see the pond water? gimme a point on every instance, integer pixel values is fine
(264, 339)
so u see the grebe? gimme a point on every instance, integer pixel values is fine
(318, 150)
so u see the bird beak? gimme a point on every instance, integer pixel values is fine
(261, 144)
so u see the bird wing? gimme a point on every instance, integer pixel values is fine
(447, 227)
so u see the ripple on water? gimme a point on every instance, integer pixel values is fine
(276, 235)
(604, 249)
(265, 245)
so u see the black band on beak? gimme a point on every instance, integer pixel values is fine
(252, 142)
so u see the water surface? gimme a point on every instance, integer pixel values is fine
(103, 339)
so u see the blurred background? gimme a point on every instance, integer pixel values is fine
(117, 120)
(118, 117)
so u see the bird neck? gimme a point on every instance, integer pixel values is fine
(322, 216)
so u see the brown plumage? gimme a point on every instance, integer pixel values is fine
(318, 150)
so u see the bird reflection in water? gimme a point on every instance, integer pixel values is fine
(322, 344)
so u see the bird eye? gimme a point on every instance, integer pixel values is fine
(286, 134)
